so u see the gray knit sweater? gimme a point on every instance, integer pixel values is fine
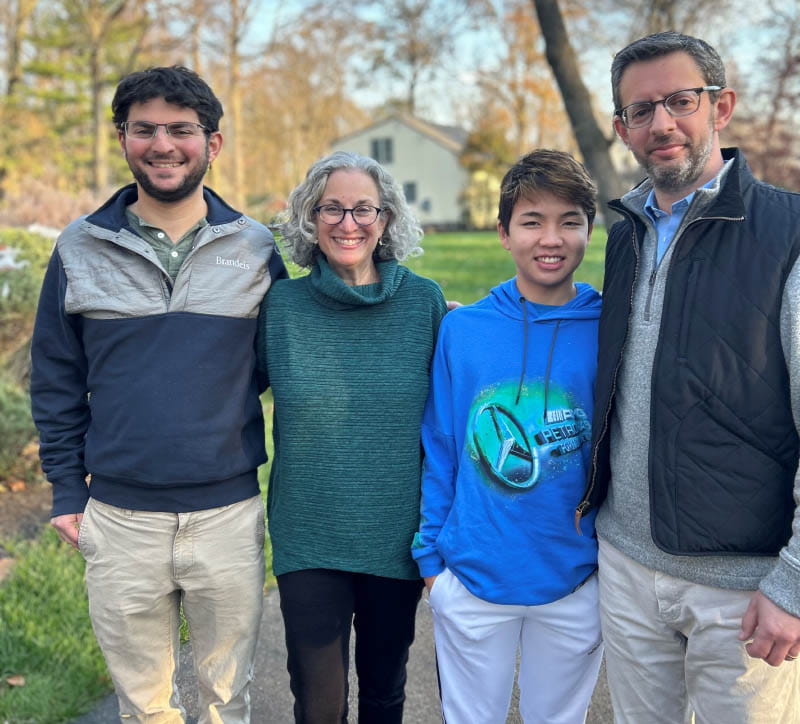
(349, 370)
(624, 518)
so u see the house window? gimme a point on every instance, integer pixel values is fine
(410, 191)
(382, 150)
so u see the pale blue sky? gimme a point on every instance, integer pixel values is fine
(446, 98)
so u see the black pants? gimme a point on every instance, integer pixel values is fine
(318, 607)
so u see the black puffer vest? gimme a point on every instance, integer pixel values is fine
(723, 444)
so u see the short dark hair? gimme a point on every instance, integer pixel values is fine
(658, 45)
(176, 85)
(547, 171)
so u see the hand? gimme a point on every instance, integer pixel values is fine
(68, 526)
(452, 304)
(429, 582)
(773, 634)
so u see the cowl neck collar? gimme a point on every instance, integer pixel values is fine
(329, 289)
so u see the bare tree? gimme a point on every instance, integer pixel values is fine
(307, 101)
(411, 39)
(15, 15)
(520, 85)
(768, 133)
(644, 17)
(594, 145)
(80, 49)
(236, 17)
(238, 46)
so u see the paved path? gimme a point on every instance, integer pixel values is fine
(272, 700)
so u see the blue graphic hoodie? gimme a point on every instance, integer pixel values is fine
(506, 431)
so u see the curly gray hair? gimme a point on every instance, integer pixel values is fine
(401, 237)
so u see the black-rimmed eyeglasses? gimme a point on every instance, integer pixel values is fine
(177, 130)
(678, 104)
(363, 214)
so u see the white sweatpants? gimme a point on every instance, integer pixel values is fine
(476, 649)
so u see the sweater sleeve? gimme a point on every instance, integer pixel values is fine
(277, 271)
(439, 466)
(782, 584)
(59, 393)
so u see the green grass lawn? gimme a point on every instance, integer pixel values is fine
(45, 634)
(468, 265)
(46, 637)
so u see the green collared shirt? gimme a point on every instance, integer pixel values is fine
(170, 255)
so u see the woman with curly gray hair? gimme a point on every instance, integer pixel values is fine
(347, 350)
(400, 233)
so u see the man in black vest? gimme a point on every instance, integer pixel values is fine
(695, 464)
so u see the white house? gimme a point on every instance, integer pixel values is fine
(424, 158)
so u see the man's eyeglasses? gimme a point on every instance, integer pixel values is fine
(678, 104)
(362, 214)
(177, 130)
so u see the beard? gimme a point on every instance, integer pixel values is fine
(186, 188)
(677, 177)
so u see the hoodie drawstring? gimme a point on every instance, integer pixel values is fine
(522, 301)
(547, 372)
(524, 347)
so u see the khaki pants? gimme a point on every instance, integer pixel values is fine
(672, 651)
(140, 567)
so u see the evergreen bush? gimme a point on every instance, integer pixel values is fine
(19, 287)
(16, 425)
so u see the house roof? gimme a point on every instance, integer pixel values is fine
(451, 137)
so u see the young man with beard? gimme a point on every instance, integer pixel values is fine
(695, 441)
(143, 385)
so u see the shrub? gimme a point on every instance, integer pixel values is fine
(38, 202)
(19, 292)
(16, 425)
(19, 287)
(33, 248)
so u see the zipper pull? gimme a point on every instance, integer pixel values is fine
(579, 511)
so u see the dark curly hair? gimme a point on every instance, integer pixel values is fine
(176, 85)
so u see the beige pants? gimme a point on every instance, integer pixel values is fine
(672, 650)
(140, 567)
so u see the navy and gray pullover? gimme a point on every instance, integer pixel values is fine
(146, 384)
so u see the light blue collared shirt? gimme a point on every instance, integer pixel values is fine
(667, 224)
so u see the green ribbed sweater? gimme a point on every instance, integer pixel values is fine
(349, 371)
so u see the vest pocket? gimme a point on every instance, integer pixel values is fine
(687, 311)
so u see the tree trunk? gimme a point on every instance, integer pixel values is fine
(100, 139)
(17, 16)
(238, 12)
(594, 145)
(235, 125)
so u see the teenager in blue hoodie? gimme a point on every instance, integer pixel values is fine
(506, 433)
